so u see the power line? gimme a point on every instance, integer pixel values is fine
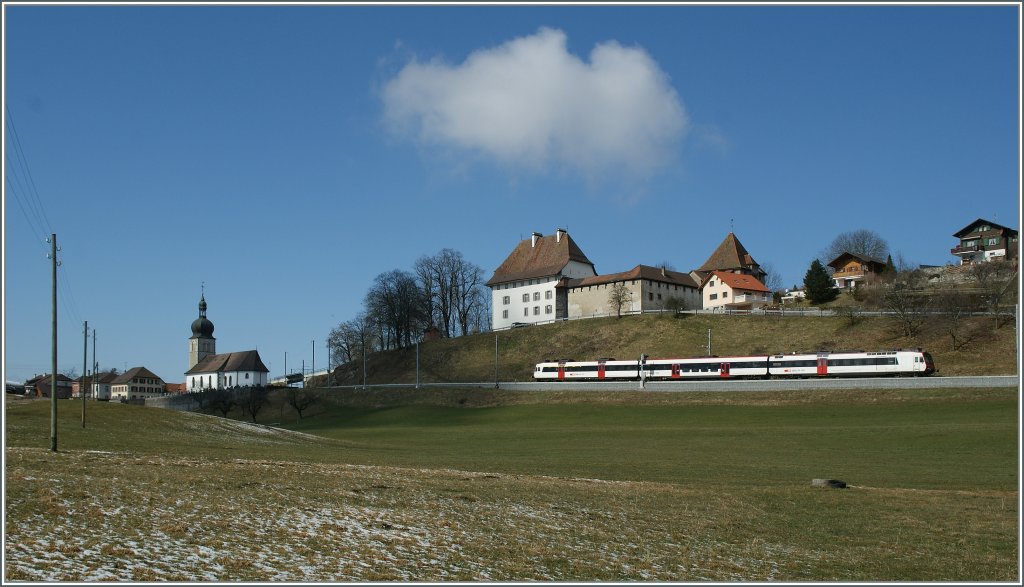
(33, 193)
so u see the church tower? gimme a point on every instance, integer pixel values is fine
(202, 343)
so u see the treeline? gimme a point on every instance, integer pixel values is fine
(444, 292)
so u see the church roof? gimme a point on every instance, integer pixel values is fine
(729, 255)
(224, 362)
(546, 256)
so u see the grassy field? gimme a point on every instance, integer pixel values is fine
(471, 358)
(479, 485)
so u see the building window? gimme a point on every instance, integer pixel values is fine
(505, 300)
(536, 310)
(547, 309)
(547, 295)
(536, 296)
(526, 312)
(526, 297)
(650, 297)
(504, 314)
(246, 375)
(659, 296)
(714, 296)
(993, 241)
(725, 294)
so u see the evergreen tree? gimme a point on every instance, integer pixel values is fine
(889, 273)
(818, 284)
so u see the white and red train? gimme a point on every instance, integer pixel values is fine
(822, 364)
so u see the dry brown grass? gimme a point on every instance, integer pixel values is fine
(471, 358)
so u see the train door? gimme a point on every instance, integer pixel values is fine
(561, 371)
(723, 369)
(822, 365)
(600, 369)
(675, 370)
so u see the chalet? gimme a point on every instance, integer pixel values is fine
(730, 256)
(734, 291)
(983, 240)
(136, 383)
(530, 285)
(852, 270)
(650, 289)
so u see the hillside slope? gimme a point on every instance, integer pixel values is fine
(472, 358)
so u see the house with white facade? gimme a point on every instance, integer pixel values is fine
(529, 287)
(136, 383)
(734, 291)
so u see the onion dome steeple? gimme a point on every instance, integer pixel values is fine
(201, 326)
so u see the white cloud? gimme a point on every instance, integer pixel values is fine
(530, 103)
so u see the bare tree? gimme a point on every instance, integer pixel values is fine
(955, 304)
(995, 280)
(452, 291)
(221, 400)
(859, 242)
(253, 399)
(300, 399)
(772, 278)
(619, 297)
(909, 305)
(347, 338)
(395, 305)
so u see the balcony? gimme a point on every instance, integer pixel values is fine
(962, 250)
(763, 298)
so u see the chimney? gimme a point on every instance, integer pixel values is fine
(536, 236)
(663, 271)
(558, 234)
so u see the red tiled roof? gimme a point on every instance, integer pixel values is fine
(545, 258)
(738, 281)
(639, 272)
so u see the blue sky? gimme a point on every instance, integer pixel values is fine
(285, 155)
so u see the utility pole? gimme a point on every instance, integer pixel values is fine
(364, 360)
(328, 361)
(495, 361)
(288, 383)
(709, 342)
(95, 367)
(417, 365)
(85, 367)
(312, 364)
(53, 349)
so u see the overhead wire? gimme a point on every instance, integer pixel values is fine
(23, 187)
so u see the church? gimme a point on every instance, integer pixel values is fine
(208, 370)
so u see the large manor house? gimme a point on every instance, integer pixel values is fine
(548, 278)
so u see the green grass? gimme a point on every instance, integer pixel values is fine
(475, 485)
(918, 442)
